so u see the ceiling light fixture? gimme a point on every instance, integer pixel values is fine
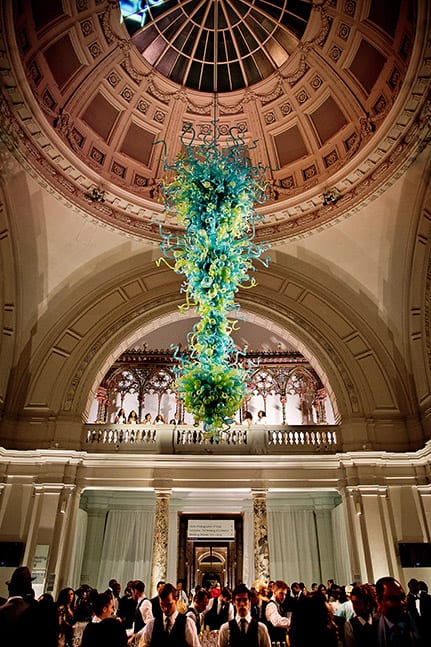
(213, 193)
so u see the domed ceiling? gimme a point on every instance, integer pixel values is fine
(331, 96)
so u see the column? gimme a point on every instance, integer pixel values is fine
(161, 532)
(260, 524)
(102, 399)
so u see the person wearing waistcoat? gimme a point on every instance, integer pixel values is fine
(155, 601)
(195, 611)
(219, 610)
(360, 630)
(143, 611)
(173, 629)
(21, 617)
(277, 619)
(243, 630)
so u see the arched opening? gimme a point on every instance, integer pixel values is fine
(286, 383)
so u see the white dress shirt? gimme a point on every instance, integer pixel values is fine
(273, 615)
(146, 611)
(191, 635)
(263, 639)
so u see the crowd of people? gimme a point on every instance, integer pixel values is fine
(264, 615)
(132, 418)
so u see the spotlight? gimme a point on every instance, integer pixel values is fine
(95, 195)
(330, 197)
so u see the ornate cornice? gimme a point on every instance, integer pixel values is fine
(47, 139)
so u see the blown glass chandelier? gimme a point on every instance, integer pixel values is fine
(213, 193)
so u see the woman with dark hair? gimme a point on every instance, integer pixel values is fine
(104, 630)
(83, 611)
(133, 418)
(120, 417)
(248, 418)
(66, 617)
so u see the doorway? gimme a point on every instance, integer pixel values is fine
(214, 559)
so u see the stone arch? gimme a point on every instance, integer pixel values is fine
(323, 316)
(7, 301)
(419, 303)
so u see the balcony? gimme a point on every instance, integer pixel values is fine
(188, 439)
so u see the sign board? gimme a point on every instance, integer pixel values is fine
(211, 529)
(40, 559)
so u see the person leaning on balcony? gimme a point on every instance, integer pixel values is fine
(133, 418)
(261, 417)
(248, 418)
(120, 417)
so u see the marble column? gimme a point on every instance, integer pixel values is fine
(160, 544)
(261, 546)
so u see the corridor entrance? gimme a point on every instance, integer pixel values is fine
(210, 550)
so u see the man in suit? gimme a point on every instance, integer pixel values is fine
(419, 606)
(20, 620)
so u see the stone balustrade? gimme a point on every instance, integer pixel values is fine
(189, 439)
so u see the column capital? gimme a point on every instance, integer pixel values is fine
(259, 492)
(48, 488)
(163, 493)
(424, 490)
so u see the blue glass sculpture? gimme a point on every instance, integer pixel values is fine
(213, 193)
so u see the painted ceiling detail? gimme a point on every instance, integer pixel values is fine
(335, 94)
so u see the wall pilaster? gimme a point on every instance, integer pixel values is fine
(374, 531)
